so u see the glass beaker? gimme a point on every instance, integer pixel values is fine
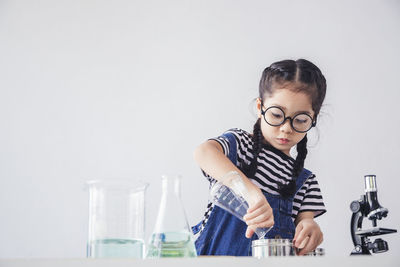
(230, 197)
(172, 236)
(116, 219)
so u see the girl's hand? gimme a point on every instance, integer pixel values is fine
(259, 213)
(308, 236)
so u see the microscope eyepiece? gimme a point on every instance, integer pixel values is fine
(375, 211)
(370, 183)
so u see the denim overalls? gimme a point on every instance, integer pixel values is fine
(224, 234)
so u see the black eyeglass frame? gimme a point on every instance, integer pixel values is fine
(288, 117)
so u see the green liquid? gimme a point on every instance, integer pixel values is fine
(115, 248)
(175, 244)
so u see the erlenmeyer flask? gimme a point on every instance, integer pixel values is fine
(172, 236)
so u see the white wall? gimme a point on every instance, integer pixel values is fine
(96, 89)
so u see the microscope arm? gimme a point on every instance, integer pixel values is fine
(355, 225)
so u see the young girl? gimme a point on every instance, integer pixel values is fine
(283, 194)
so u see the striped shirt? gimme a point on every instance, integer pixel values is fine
(273, 167)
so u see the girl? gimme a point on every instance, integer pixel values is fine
(283, 194)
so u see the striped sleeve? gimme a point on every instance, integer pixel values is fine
(224, 142)
(309, 198)
(312, 200)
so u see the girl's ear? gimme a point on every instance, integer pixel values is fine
(258, 106)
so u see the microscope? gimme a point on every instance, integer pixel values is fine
(369, 207)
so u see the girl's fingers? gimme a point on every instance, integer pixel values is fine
(321, 238)
(252, 215)
(256, 210)
(297, 232)
(249, 232)
(268, 223)
(315, 240)
(255, 207)
(304, 242)
(258, 216)
(311, 245)
(300, 237)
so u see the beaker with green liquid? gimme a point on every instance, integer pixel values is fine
(172, 236)
(116, 219)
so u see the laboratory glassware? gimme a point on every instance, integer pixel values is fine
(116, 219)
(172, 236)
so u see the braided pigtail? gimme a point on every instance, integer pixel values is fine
(301, 156)
(257, 138)
(289, 189)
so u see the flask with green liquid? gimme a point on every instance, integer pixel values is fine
(172, 236)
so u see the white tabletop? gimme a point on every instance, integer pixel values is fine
(364, 261)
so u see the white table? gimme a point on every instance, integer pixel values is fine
(325, 261)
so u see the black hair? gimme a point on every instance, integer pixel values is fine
(302, 76)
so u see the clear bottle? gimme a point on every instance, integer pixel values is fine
(172, 236)
(229, 195)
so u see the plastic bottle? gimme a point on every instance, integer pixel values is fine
(232, 198)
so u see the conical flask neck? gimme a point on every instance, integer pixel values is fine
(171, 214)
(171, 186)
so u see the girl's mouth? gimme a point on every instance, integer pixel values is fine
(283, 141)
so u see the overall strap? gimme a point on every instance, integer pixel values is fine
(232, 146)
(302, 178)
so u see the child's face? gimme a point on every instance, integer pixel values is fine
(284, 137)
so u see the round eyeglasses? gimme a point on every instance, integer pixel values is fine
(275, 116)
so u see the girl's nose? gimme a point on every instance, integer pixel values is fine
(286, 127)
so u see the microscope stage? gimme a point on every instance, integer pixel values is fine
(375, 231)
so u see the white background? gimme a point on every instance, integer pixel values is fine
(127, 89)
